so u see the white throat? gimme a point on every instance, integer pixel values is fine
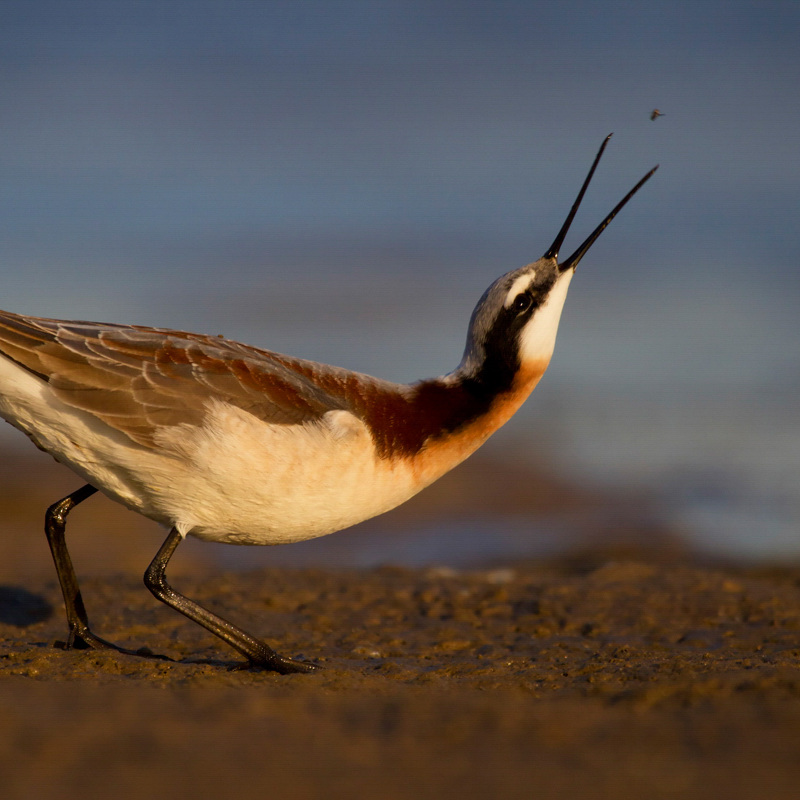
(538, 337)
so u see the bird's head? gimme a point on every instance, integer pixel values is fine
(513, 327)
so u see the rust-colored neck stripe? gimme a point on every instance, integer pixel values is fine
(402, 425)
(401, 419)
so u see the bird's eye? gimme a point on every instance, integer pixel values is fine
(522, 302)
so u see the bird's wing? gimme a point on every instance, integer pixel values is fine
(139, 379)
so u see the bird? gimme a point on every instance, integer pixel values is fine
(655, 114)
(231, 443)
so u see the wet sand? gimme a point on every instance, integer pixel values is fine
(625, 671)
(580, 678)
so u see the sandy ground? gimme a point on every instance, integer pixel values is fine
(620, 674)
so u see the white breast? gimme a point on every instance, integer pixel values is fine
(249, 482)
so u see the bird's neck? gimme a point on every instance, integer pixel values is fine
(455, 413)
(441, 420)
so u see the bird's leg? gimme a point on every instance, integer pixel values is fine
(257, 652)
(80, 635)
(55, 523)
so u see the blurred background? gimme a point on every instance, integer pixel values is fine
(342, 180)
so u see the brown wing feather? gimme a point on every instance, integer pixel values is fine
(138, 379)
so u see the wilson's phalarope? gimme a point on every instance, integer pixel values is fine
(235, 444)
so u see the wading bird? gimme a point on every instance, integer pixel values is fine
(230, 443)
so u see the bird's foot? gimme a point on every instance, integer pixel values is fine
(280, 664)
(81, 638)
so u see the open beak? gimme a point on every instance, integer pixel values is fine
(572, 261)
